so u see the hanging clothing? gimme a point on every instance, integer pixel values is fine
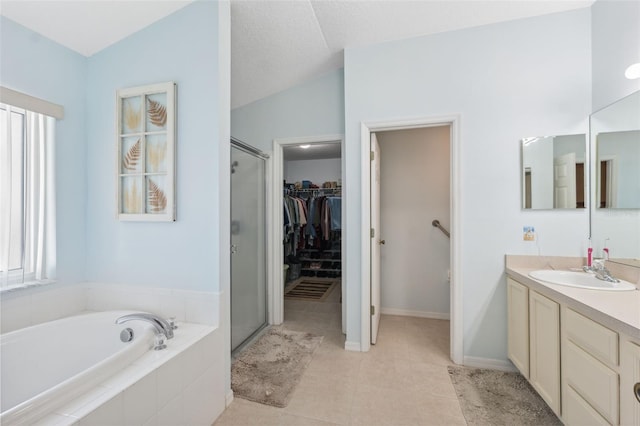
(311, 219)
(335, 207)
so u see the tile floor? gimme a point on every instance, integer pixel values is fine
(402, 380)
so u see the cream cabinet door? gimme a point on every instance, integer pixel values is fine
(518, 325)
(629, 378)
(544, 340)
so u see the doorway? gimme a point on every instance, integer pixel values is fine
(456, 331)
(414, 194)
(286, 168)
(248, 244)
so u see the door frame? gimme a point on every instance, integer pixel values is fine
(456, 301)
(612, 181)
(276, 255)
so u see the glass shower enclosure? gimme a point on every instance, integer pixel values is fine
(248, 243)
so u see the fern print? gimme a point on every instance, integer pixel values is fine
(131, 159)
(132, 199)
(157, 113)
(131, 116)
(156, 198)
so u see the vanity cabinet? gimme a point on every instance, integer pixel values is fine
(585, 371)
(544, 348)
(534, 340)
(518, 325)
(589, 371)
(629, 378)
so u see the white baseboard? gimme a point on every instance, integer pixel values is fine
(492, 364)
(228, 399)
(419, 314)
(352, 346)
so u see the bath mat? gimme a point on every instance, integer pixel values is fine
(269, 370)
(490, 397)
(310, 289)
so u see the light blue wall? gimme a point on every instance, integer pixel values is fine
(184, 48)
(37, 66)
(314, 108)
(616, 45)
(507, 81)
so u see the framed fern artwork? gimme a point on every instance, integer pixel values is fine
(146, 152)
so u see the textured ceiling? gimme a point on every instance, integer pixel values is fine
(275, 44)
(278, 44)
(318, 151)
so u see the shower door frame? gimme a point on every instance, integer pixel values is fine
(248, 149)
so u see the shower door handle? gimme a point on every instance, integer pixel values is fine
(234, 249)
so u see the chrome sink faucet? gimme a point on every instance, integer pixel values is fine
(602, 273)
(163, 328)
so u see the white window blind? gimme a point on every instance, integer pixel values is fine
(27, 196)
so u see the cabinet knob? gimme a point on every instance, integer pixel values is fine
(636, 391)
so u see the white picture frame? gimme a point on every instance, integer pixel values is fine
(145, 169)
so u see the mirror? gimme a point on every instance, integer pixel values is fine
(554, 175)
(615, 213)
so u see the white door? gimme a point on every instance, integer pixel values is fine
(375, 238)
(564, 181)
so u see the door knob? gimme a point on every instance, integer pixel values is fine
(382, 242)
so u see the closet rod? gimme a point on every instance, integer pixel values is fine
(313, 189)
(248, 148)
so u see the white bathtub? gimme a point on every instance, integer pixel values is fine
(48, 365)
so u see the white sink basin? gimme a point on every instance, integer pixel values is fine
(580, 280)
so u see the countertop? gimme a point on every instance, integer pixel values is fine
(617, 310)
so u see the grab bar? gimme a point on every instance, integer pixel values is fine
(436, 224)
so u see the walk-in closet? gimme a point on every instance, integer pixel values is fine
(312, 230)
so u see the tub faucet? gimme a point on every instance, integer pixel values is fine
(162, 327)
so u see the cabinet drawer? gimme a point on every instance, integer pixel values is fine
(576, 411)
(593, 381)
(594, 338)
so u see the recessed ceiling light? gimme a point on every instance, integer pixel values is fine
(633, 71)
(305, 146)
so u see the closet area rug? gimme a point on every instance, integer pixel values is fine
(310, 289)
(490, 397)
(269, 370)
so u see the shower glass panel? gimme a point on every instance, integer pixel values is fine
(248, 246)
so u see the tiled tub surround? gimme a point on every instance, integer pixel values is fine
(620, 311)
(182, 384)
(47, 365)
(30, 306)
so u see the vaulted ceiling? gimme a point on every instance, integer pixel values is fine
(275, 44)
